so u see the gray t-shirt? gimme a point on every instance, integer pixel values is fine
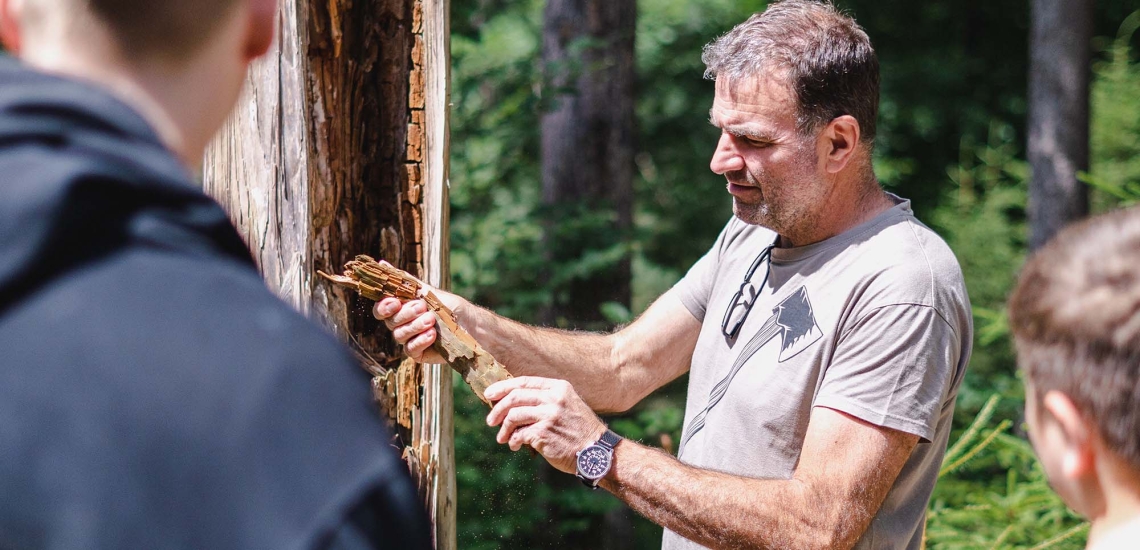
(874, 323)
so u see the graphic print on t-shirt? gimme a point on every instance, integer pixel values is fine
(792, 319)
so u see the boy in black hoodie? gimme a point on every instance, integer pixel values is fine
(153, 393)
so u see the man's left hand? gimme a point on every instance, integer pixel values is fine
(545, 414)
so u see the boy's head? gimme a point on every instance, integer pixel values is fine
(181, 63)
(171, 30)
(1075, 315)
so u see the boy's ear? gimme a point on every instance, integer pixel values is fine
(10, 11)
(261, 26)
(1077, 435)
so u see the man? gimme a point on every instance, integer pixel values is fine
(153, 393)
(1075, 315)
(825, 333)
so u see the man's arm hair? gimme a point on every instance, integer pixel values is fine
(845, 470)
(612, 372)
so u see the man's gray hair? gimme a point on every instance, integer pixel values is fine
(824, 56)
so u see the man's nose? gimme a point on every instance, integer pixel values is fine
(726, 158)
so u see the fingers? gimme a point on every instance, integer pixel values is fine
(528, 436)
(386, 308)
(395, 313)
(517, 398)
(498, 390)
(411, 323)
(517, 418)
(407, 313)
(417, 346)
(404, 332)
(544, 414)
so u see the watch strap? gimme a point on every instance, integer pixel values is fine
(609, 439)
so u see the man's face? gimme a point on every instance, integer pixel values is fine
(772, 170)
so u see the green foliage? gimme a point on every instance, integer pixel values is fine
(975, 506)
(983, 221)
(681, 205)
(1115, 132)
(496, 240)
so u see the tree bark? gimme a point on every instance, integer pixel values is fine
(338, 147)
(1060, 43)
(588, 151)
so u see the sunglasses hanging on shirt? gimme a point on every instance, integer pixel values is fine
(740, 307)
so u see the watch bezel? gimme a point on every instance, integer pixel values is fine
(605, 444)
(605, 451)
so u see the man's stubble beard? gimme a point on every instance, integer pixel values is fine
(759, 213)
(790, 211)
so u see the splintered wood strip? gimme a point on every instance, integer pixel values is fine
(378, 280)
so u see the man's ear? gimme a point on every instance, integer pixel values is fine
(10, 12)
(1078, 455)
(839, 141)
(261, 26)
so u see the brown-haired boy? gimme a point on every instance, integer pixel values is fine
(1075, 315)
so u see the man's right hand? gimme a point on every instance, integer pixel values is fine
(413, 324)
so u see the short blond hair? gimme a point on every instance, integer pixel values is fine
(1075, 315)
(162, 28)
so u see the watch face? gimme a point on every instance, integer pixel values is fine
(594, 462)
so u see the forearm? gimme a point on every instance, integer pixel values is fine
(584, 359)
(724, 511)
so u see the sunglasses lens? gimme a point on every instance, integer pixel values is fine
(736, 314)
(744, 299)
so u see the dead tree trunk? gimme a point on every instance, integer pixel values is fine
(337, 148)
(1060, 42)
(588, 150)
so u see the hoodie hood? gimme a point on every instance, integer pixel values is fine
(82, 171)
(153, 392)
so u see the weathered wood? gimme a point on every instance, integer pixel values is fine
(378, 280)
(431, 18)
(335, 148)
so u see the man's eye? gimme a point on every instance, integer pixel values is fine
(753, 142)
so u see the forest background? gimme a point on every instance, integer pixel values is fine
(952, 133)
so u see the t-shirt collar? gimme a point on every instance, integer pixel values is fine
(797, 253)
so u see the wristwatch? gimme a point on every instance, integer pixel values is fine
(595, 461)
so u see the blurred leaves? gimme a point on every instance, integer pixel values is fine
(1115, 165)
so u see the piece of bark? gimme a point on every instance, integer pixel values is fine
(378, 280)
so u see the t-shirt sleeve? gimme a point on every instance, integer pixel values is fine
(893, 367)
(696, 286)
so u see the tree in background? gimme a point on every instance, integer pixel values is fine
(587, 156)
(1060, 46)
